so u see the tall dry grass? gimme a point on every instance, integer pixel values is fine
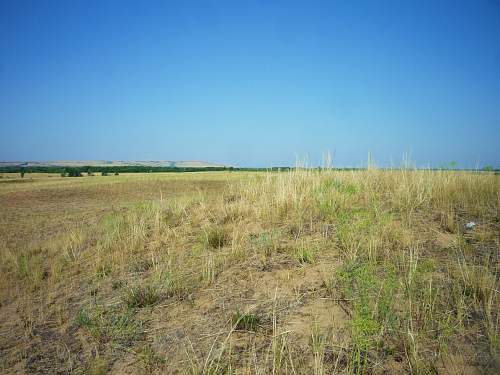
(419, 289)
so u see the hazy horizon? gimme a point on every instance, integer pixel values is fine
(251, 84)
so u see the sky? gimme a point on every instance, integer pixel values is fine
(251, 83)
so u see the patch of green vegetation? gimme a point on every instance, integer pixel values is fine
(325, 202)
(337, 185)
(30, 266)
(112, 221)
(142, 296)
(145, 206)
(110, 324)
(304, 253)
(317, 342)
(330, 196)
(245, 321)
(265, 242)
(363, 232)
(326, 207)
(149, 358)
(174, 285)
(216, 237)
(371, 291)
(344, 188)
(83, 319)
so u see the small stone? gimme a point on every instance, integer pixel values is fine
(470, 225)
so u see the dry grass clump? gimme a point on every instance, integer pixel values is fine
(216, 237)
(229, 279)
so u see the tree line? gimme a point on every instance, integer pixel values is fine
(77, 171)
(110, 170)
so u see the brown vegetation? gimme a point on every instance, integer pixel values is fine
(294, 272)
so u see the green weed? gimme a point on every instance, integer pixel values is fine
(109, 324)
(245, 321)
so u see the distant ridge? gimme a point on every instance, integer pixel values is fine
(112, 163)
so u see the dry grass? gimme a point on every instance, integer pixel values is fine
(206, 273)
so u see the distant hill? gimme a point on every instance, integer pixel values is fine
(112, 163)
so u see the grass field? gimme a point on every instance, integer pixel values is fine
(302, 272)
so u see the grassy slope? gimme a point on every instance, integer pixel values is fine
(300, 272)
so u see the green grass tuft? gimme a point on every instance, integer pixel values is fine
(245, 321)
(142, 296)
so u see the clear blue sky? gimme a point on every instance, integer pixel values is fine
(251, 83)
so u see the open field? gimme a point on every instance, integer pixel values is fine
(301, 272)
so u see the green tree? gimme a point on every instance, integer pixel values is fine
(73, 172)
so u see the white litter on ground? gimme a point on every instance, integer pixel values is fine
(470, 225)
